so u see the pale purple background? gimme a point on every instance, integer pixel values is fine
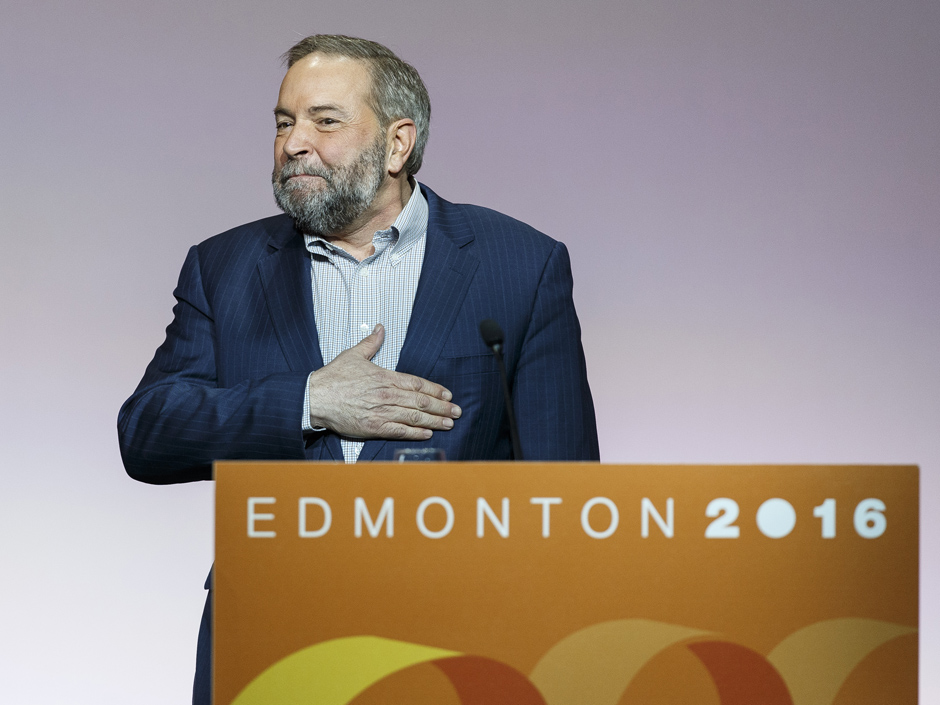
(749, 191)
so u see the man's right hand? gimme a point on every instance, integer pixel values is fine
(354, 397)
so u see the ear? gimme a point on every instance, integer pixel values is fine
(402, 135)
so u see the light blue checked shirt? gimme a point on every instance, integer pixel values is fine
(351, 297)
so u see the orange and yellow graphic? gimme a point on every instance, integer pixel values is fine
(594, 665)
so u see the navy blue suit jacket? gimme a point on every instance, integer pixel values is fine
(229, 380)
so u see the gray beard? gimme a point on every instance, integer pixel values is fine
(348, 192)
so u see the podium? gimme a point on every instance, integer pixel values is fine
(564, 584)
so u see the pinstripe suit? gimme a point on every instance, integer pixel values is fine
(229, 380)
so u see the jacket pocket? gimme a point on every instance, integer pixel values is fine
(465, 365)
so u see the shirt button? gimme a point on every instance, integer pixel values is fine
(363, 273)
(366, 328)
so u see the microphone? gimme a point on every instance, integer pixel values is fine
(492, 335)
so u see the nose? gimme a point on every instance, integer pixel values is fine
(298, 142)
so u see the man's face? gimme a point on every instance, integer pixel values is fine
(330, 151)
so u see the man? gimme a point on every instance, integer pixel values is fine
(348, 328)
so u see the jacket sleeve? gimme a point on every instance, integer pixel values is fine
(179, 420)
(551, 396)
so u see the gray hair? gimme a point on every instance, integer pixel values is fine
(397, 89)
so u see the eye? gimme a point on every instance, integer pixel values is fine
(328, 121)
(282, 125)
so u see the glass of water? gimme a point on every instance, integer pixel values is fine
(419, 455)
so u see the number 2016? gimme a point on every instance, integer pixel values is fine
(776, 518)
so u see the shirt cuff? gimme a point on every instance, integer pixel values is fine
(305, 422)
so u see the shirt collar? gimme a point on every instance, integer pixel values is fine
(409, 227)
(412, 223)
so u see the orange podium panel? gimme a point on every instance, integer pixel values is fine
(564, 584)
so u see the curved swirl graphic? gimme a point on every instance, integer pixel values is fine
(335, 672)
(484, 680)
(816, 660)
(742, 676)
(598, 662)
(592, 666)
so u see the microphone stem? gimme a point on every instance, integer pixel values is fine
(513, 429)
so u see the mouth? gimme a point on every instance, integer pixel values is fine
(301, 178)
(304, 181)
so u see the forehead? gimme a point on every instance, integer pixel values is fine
(317, 79)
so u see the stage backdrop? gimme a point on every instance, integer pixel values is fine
(747, 188)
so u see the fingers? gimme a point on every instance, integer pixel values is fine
(396, 405)
(426, 404)
(422, 386)
(428, 396)
(391, 421)
(400, 432)
(431, 406)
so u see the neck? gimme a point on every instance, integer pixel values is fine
(389, 202)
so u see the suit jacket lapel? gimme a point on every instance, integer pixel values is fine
(448, 268)
(285, 277)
